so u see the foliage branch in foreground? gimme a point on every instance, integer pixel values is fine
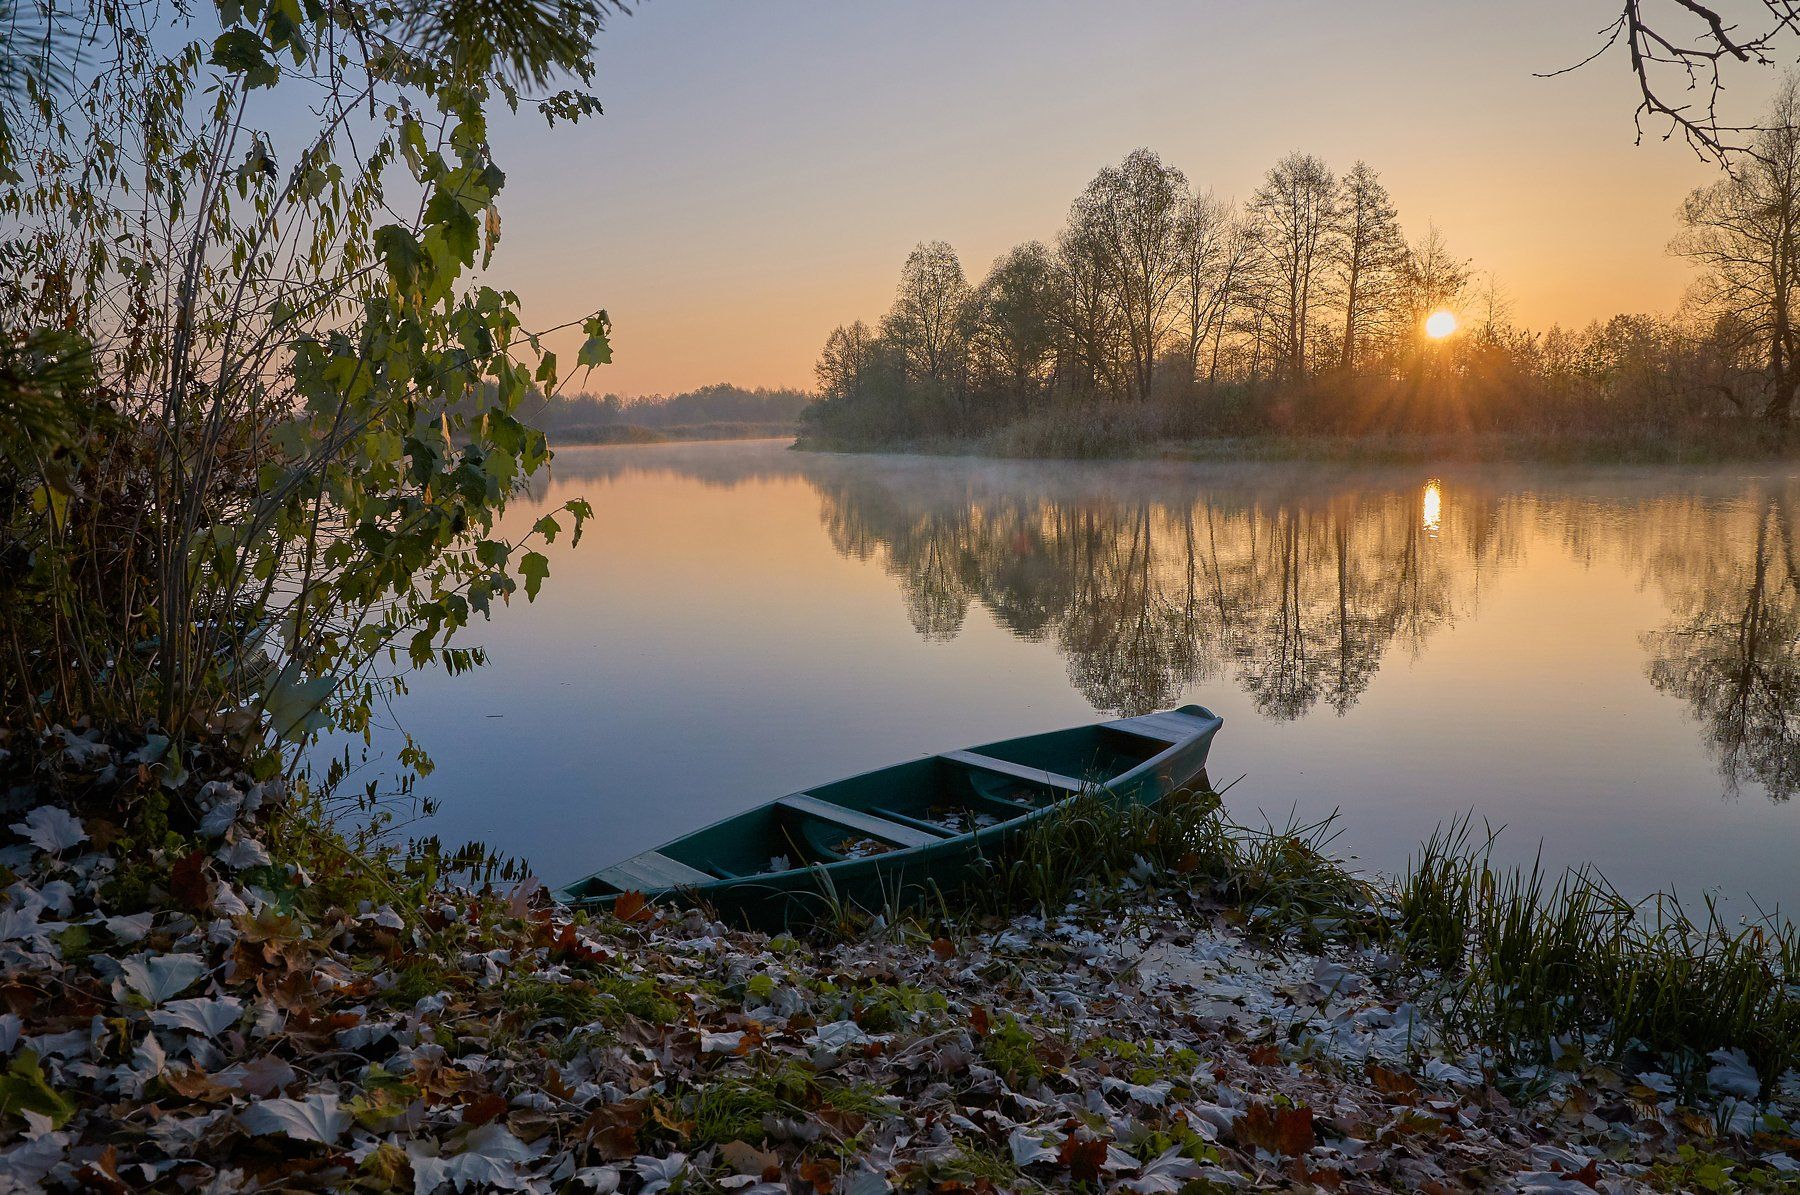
(242, 482)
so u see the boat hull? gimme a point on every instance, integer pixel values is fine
(795, 859)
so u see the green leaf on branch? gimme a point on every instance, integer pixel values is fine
(583, 512)
(597, 349)
(294, 705)
(242, 52)
(534, 568)
(548, 528)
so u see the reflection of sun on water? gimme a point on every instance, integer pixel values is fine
(1434, 507)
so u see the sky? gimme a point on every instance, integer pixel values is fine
(764, 167)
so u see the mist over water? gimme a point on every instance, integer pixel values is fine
(1606, 662)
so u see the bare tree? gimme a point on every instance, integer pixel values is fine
(1239, 283)
(1684, 46)
(1206, 232)
(1435, 279)
(845, 360)
(1014, 320)
(1296, 215)
(1089, 311)
(1369, 258)
(1132, 214)
(926, 322)
(1743, 231)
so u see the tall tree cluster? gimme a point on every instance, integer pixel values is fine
(1153, 289)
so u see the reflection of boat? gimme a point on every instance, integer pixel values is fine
(899, 831)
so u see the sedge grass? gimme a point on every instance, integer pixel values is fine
(1526, 960)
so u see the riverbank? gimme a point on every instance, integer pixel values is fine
(255, 1004)
(1129, 435)
(633, 433)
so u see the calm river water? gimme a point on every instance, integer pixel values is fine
(1605, 662)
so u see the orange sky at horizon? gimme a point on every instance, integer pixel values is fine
(762, 171)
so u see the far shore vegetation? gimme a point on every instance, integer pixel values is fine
(1305, 322)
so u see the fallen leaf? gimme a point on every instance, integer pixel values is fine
(50, 829)
(315, 1118)
(631, 907)
(483, 1108)
(189, 884)
(611, 1130)
(745, 1158)
(1278, 1130)
(1083, 1158)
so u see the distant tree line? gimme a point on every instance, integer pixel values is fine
(1169, 310)
(573, 417)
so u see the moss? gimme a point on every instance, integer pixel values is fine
(1704, 1171)
(574, 1003)
(416, 980)
(885, 1007)
(1010, 1049)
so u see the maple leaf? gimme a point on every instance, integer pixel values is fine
(102, 1174)
(1083, 1158)
(1278, 1130)
(631, 907)
(611, 1130)
(820, 1172)
(1393, 1083)
(745, 1158)
(315, 1118)
(51, 829)
(483, 1108)
(189, 884)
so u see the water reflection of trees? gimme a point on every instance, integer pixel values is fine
(1298, 598)
(1731, 648)
(1298, 589)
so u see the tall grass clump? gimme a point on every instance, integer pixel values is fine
(1526, 959)
(1283, 876)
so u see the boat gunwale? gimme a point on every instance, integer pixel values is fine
(774, 879)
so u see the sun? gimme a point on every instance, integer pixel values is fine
(1440, 324)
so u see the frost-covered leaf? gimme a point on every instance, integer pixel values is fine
(158, 977)
(223, 804)
(1732, 1074)
(659, 1173)
(837, 1035)
(51, 829)
(1028, 1148)
(489, 1161)
(863, 1181)
(21, 923)
(315, 1118)
(259, 1077)
(30, 1161)
(1165, 1174)
(602, 1180)
(245, 852)
(721, 1043)
(130, 929)
(208, 1016)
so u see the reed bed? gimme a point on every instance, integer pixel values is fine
(1529, 961)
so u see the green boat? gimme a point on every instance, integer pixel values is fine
(891, 835)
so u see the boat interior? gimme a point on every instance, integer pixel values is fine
(912, 804)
